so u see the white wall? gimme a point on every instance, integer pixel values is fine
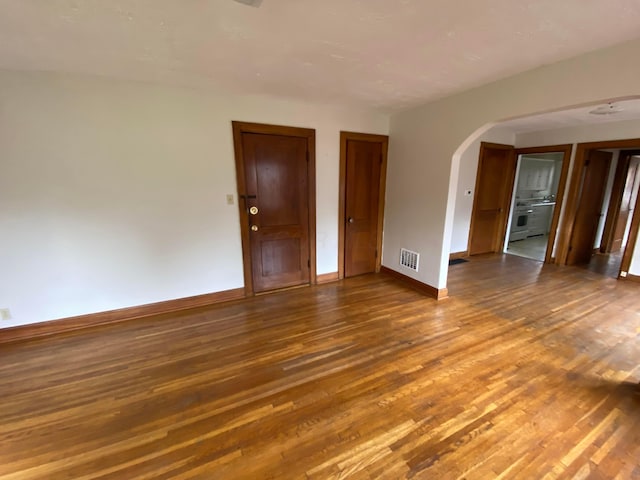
(634, 268)
(424, 152)
(113, 194)
(467, 182)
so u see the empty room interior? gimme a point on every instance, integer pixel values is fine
(264, 239)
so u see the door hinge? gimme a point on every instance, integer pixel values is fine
(570, 247)
(376, 253)
(381, 158)
(586, 164)
(307, 155)
(309, 263)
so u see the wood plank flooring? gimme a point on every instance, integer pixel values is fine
(526, 371)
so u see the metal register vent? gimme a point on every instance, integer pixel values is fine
(409, 259)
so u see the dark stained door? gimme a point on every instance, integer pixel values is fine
(494, 184)
(276, 201)
(626, 204)
(362, 197)
(596, 171)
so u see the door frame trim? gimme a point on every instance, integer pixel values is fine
(498, 242)
(571, 206)
(565, 149)
(365, 137)
(265, 129)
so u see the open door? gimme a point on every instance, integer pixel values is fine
(568, 239)
(595, 173)
(494, 185)
(621, 206)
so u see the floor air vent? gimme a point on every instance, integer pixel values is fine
(409, 259)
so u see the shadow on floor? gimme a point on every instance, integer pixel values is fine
(534, 248)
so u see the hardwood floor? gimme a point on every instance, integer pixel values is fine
(605, 264)
(525, 371)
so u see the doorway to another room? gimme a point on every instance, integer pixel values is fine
(534, 204)
(604, 200)
(516, 207)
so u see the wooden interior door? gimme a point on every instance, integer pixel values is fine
(276, 219)
(362, 213)
(626, 205)
(494, 185)
(595, 173)
(620, 205)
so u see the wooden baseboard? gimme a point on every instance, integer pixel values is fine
(632, 278)
(52, 327)
(456, 255)
(327, 278)
(427, 290)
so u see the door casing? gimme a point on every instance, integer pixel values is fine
(565, 149)
(309, 134)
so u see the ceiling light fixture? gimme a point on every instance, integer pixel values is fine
(608, 109)
(251, 3)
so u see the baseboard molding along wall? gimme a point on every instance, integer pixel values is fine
(327, 278)
(423, 288)
(34, 330)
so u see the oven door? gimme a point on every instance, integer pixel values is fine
(521, 221)
(519, 225)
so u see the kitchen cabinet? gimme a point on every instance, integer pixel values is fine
(536, 174)
(539, 219)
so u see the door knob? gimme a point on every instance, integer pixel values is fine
(253, 210)
(350, 220)
(254, 228)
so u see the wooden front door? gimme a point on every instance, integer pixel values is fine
(362, 183)
(275, 181)
(595, 173)
(494, 184)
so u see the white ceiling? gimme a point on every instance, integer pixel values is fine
(386, 54)
(629, 110)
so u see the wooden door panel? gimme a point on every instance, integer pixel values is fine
(280, 179)
(496, 169)
(485, 226)
(276, 183)
(620, 203)
(629, 185)
(618, 233)
(362, 196)
(627, 203)
(585, 226)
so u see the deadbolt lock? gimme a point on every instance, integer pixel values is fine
(254, 228)
(253, 210)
